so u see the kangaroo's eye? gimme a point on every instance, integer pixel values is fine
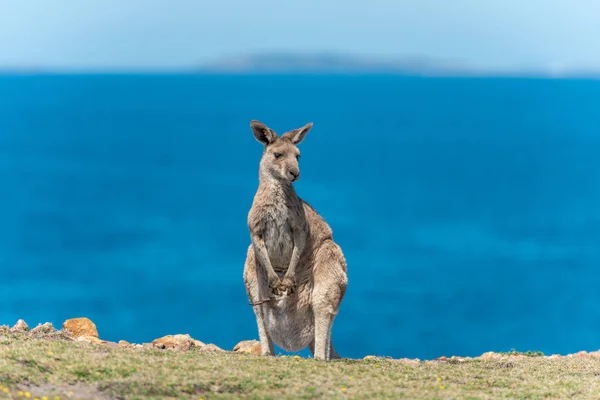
(277, 155)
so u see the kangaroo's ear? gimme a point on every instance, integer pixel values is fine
(297, 135)
(262, 133)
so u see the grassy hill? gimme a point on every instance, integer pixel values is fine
(55, 366)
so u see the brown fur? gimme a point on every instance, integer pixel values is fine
(293, 260)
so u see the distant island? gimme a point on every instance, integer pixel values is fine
(332, 63)
(324, 63)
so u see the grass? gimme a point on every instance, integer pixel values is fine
(524, 353)
(46, 369)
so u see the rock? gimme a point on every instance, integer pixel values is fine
(581, 354)
(595, 354)
(61, 335)
(248, 347)
(20, 326)
(44, 328)
(370, 358)
(182, 343)
(174, 342)
(79, 327)
(124, 343)
(554, 356)
(91, 339)
(4, 328)
(442, 358)
(211, 347)
(408, 361)
(490, 355)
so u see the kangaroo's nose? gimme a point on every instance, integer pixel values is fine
(294, 174)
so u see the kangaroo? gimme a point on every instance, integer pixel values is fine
(295, 274)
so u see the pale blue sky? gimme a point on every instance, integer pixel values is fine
(172, 34)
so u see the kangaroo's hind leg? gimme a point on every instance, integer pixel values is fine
(333, 355)
(256, 289)
(330, 282)
(266, 343)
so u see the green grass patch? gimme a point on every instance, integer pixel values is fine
(83, 371)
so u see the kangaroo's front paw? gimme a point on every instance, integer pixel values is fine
(274, 283)
(286, 287)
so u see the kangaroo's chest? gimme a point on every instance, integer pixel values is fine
(278, 236)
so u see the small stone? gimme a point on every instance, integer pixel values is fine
(442, 358)
(554, 356)
(490, 355)
(63, 335)
(124, 343)
(581, 354)
(198, 343)
(211, 347)
(595, 354)
(174, 342)
(248, 347)
(370, 358)
(90, 339)
(408, 361)
(44, 328)
(78, 327)
(20, 326)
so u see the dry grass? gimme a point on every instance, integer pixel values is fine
(49, 369)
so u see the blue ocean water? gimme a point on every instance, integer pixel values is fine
(468, 209)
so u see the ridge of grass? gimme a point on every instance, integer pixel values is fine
(528, 353)
(57, 369)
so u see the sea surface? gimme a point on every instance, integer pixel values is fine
(468, 209)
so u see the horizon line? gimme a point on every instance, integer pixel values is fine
(312, 62)
(10, 71)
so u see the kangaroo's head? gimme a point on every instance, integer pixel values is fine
(281, 154)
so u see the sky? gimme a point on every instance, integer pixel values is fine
(182, 34)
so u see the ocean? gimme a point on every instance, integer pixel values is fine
(468, 208)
